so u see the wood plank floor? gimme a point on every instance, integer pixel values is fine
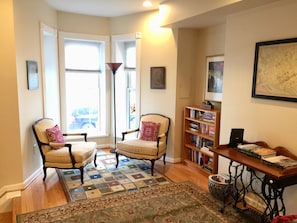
(40, 195)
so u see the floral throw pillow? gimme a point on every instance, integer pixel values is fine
(149, 131)
(54, 134)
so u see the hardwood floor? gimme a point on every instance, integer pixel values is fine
(40, 195)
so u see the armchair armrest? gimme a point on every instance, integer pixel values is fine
(128, 132)
(77, 134)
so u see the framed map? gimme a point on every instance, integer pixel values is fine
(275, 70)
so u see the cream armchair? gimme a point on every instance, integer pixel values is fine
(150, 142)
(57, 153)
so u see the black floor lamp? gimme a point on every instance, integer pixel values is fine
(114, 67)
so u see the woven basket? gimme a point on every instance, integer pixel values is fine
(219, 186)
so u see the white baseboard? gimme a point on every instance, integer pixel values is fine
(6, 201)
(8, 192)
(101, 146)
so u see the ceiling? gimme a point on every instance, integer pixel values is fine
(114, 8)
(105, 8)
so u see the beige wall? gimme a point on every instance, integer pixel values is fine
(272, 121)
(28, 15)
(10, 153)
(158, 48)
(77, 23)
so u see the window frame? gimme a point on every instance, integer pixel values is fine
(107, 99)
(116, 40)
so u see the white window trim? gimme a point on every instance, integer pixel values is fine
(124, 38)
(66, 35)
(54, 111)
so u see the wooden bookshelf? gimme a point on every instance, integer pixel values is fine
(201, 135)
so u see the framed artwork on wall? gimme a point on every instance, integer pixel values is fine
(275, 70)
(214, 78)
(158, 77)
(32, 74)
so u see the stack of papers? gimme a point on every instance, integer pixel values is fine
(280, 161)
(256, 151)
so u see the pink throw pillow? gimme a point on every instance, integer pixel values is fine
(54, 134)
(149, 131)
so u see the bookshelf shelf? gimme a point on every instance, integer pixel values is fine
(201, 135)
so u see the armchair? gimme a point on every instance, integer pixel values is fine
(150, 142)
(57, 153)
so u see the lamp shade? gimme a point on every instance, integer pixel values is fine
(114, 66)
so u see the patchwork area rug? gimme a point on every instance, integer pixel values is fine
(174, 202)
(105, 179)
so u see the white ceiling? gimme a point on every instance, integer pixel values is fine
(105, 8)
(114, 8)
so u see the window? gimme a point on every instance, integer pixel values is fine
(130, 72)
(126, 49)
(50, 71)
(84, 86)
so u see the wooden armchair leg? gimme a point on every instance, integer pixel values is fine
(44, 173)
(117, 157)
(164, 156)
(152, 167)
(95, 158)
(81, 174)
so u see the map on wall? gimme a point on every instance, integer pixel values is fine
(275, 70)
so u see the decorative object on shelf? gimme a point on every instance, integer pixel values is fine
(114, 67)
(158, 77)
(207, 105)
(32, 74)
(214, 78)
(236, 137)
(274, 70)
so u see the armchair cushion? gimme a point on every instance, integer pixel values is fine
(54, 134)
(83, 152)
(149, 131)
(141, 149)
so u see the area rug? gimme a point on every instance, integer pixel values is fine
(174, 202)
(105, 179)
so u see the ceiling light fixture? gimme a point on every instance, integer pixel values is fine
(147, 4)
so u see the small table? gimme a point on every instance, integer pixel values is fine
(247, 172)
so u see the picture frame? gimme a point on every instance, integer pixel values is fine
(274, 74)
(158, 77)
(32, 74)
(214, 78)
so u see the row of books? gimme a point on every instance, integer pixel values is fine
(201, 159)
(267, 155)
(201, 115)
(200, 141)
(202, 128)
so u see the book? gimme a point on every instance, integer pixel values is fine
(280, 161)
(256, 151)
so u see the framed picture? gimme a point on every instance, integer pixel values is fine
(214, 78)
(158, 77)
(32, 74)
(275, 70)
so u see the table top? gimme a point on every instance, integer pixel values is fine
(256, 164)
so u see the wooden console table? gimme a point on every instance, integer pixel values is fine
(250, 174)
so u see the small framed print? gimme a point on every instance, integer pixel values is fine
(32, 74)
(214, 78)
(158, 77)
